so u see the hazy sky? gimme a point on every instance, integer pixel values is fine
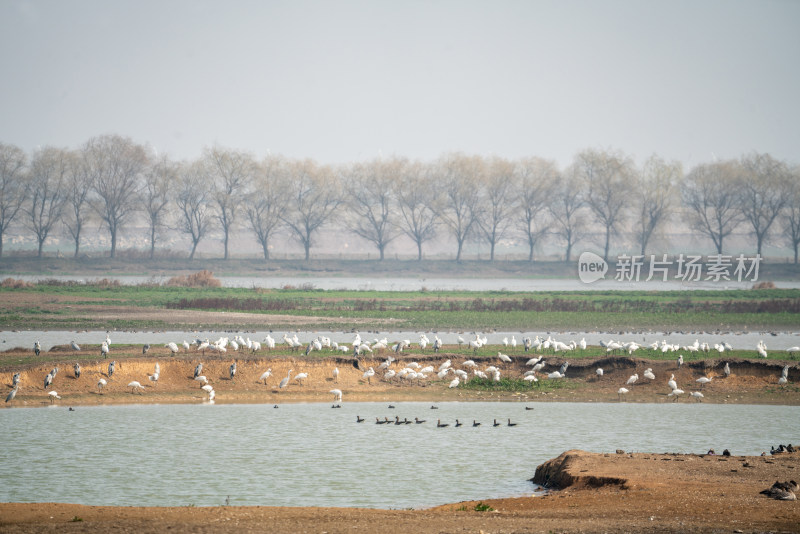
(340, 81)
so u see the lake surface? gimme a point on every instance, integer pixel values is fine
(780, 341)
(312, 455)
(431, 284)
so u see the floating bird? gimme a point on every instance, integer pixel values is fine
(77, 369)
(458, 423)
(495, 423)
(53, 396)
(359, 419)
(101, 384)
(475, 423)
(12, 394)
(419, 421)
(439, 424)
(511, 424)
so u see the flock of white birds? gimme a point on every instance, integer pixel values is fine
(413, 372)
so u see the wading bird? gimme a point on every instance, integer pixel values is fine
(77, 369)
(101, 384)
(53, 396)
(285, 381)
(337, 395)
(266, 374)
(12, 394)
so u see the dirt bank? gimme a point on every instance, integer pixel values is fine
(612, 493)
(750, 381)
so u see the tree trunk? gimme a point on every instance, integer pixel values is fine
(458, 253)
(491, 252)
(419, 251)
(226, 244)
(608, 242)
(795, 252)
(194, 247)
(569, 250)
(41, 245)
(1, 245)
(113, 244)
(381, 250)
(152, 242)
(77, 245)
(307, 245)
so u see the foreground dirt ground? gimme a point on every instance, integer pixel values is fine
(607, 493)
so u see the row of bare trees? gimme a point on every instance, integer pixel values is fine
(115, 182)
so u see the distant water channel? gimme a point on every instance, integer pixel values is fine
(313, 455)
(430, 284)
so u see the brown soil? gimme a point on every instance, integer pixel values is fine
(607, 493)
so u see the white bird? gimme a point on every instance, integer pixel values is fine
(74, 346)
(336, 374)
(531, 378)
(201, 378)
(555, 374)
(186, 345)
(680, 360)
(599, 372)
(37, 347)
(671, 383)
(793, 350)
(173, 348)
(300, 377)
(368, 374)
(454, 383)
(632, 379)
(337, 395)
(389, 374)
(703, 380)
(648, 374)
(104, 350)
(675, 393)
(727, 369)
(53, 396)
(266, 374)
(582, 344)
(285, 381)
(504, 357)
(513, 343)
(697, 395)
(77, 370)
(135, 385)
(621, 392)
(101, 384)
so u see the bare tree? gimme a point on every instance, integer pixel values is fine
(460, 195)
(369, 191)
(195, 214)
(496, 192)
(535, 181)
(762, 188)
(791, 215)
(79, 185)
(13, 186)
(655, 189)
(314, 197)
(115, 164)
(50, 169)
(566, 209)
(608, 182)
(416, 197)
(267, 200)
(159, 181)
(709, 191)
(231, 172)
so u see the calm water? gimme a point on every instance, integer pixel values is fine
(312, 455)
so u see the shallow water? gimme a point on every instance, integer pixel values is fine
(312, 455)
(432, 284)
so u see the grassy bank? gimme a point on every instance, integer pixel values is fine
(80, 306)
